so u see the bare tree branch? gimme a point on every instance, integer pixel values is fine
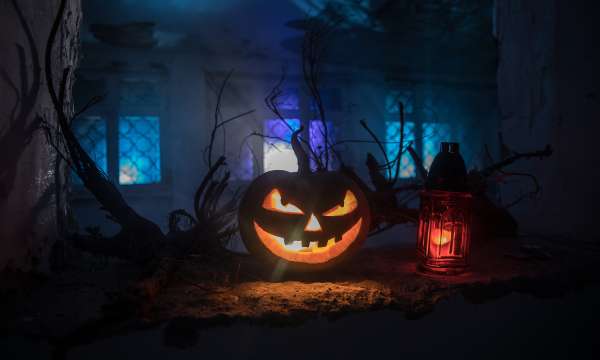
(378, 142)
(546, 152)
(418, 163)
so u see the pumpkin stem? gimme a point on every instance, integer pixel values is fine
(303, 163)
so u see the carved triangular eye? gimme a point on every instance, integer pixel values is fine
(350, 204)
(272, 202)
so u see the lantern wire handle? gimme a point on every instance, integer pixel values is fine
(303, 162)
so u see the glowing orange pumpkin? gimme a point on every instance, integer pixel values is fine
(305, 218)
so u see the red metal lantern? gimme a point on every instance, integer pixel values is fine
(444, 235)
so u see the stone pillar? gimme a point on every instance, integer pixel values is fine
(548, 79)
(32, 186)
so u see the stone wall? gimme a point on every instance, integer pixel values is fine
(548, 93)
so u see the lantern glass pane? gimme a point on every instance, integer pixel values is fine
(392, 147)
(277, 150)
(443, 238)
(139, 150)
(91, 132)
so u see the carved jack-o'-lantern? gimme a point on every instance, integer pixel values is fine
(304, 218)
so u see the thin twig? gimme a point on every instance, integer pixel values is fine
(399, 161)
(546, 152)
(418, 163)
(273, 105)
(217, 116)
(224, 122)
(95, 100)
(531, 194)
(378, 142)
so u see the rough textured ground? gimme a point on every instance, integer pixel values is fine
(375, 279)
(85, 305)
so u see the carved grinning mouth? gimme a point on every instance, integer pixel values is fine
(314, 254)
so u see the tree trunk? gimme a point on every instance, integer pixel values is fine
(32, 180)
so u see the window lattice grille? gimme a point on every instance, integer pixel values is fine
(139, 150)
(392, 147)
(91, 131)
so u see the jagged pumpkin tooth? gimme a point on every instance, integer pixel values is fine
(305, 242)
(288, 240)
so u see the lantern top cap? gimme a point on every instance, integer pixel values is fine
(447, 171)
(450, 147)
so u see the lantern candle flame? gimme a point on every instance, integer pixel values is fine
(439, 237)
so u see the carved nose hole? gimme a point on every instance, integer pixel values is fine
(313, 224)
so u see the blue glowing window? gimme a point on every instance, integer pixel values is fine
(392, 147)
(318, 143)
(277, 151)
(91, 133)
(139, 150)
(433, 134)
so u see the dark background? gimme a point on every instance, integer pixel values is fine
(528, 69)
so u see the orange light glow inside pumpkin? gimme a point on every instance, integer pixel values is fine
(313, 254)
(350, 204)
(273, 202)
(294, 251)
